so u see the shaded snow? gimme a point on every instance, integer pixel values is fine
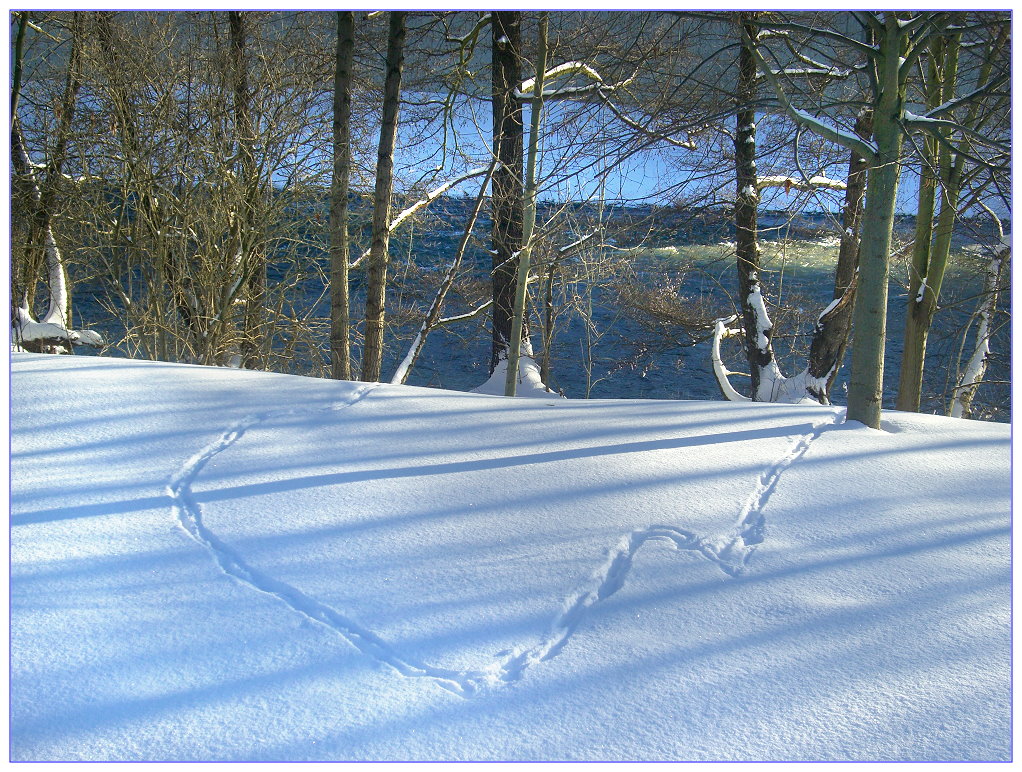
(224, 565)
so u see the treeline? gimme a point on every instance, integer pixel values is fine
(173, 163)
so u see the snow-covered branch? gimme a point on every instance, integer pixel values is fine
(598, 85)
(819, 71)
(434, 310)
(426, 200)
(575, 244)
(720, 371)
(787, 182)
(865, 148)
(477, 311)
(561, 70)
(849, 140)
(433, 195)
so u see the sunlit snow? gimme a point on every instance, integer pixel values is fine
(212, 564)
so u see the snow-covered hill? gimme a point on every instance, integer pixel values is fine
(225, 565)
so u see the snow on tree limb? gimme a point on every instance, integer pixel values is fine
(821, 71)
(849, 140)
(426, 200)
(568, 68)
(598, 85)
(720, 371)
(867, 149)
(575, 244)
(477, 311)
(435, 194)
(433, 314)
(787, 182)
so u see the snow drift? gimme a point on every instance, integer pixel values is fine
(211, 564)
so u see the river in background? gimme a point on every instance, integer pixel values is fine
(685, 257)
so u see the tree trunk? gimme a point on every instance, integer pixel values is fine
(933, 244)
(758, 328)
(865, 388)
(507, 200)
(252, 262)
(529, 219)
(372, 355)
(975, 369)
(830, 338)
(340, 313)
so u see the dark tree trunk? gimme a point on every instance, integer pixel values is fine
(830, 338)
(508, 187)
(372, 354)
(340, 312)
(253, 263)
(758, 350)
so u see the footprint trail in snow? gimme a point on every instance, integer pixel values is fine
(730, 552)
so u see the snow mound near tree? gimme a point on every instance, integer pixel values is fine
(211, 564)
(530, 383)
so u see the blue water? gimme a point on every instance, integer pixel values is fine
(621, 355)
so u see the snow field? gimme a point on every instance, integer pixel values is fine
(223, 565)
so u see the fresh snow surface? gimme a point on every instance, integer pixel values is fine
(210, 564)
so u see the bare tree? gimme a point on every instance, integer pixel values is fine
(900, 40)
(34, 216)
(372, 353)
(944, 169)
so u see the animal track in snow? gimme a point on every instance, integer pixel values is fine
(730, 552)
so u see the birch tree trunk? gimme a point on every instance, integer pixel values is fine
(372, 354)
(340, 312)
(41, 198)
(508, 189)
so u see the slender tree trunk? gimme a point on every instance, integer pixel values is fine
(933, 241)
(372, 355)
(865, 388)
(758, 349)
(508, 189)
(340, 312)
(548, 322)
(975, 369)
(529, 224)
(830, 338)
(252, 262)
